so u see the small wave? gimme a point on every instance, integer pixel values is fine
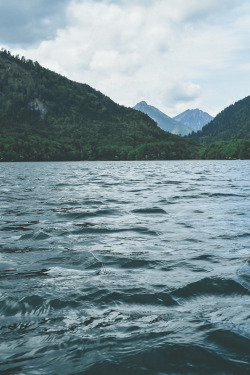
(57, 304)
(117, 201)
(225, 195)
(233, 236)
(81, 215)
(15, 228)
(68, 272)
(35, 236)
(151, 299)
(26, 249)
(209, 286)
(207, 257)
(153, 210)
(186, 225)
(172, 182)
(61, 184)
(85, 224)
(95, 230)
(232, 341)
(32, 305)
(135, 263)
(31, 274)
(6, 266)
(88, 202)
(193, 240)
(131, 297)
(64, 209)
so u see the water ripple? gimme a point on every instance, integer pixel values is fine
(125, 268)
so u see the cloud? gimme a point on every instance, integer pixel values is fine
(167, 53)
(25, 22)
(184, 92)
(199, 11)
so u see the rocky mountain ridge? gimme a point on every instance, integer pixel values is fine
(194, 119)
(165, 122)
(182, 124)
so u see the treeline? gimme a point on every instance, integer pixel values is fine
(230, 150)
(35, 148)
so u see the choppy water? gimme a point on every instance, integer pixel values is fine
(125, 268)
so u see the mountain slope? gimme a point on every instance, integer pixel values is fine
(194, 119)
(164, 122)
(44, 116)
(232, 123)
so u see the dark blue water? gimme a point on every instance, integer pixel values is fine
(125, 268)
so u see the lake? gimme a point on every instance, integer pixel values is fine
(125, 267)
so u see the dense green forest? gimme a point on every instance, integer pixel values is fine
(227, 136)
(232, 123)
(236, 149)
(45, 116)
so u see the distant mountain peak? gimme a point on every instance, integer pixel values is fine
(195, 119)
(164, 121)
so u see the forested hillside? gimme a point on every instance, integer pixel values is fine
(227, 136)
(44, 116)
(232, 123)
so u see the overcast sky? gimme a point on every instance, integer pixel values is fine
(174, 54)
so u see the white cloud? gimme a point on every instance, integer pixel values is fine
(184, 92)
(164, 52)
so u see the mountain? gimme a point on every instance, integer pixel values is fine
(194, 119)
(227, 136)
(45, 116)
(230, 124)
(164, 122)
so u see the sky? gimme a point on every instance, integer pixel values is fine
(174, 54)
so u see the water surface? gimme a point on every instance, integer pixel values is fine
(125, 267)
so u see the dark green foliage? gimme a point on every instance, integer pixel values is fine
(171, 150)
(232, 123)
(44, 116)
(236, 149)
